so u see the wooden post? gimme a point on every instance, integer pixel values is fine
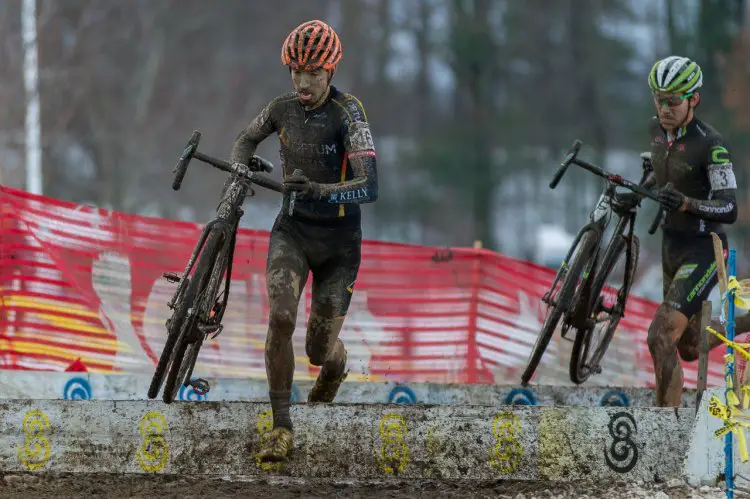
(723, 278)
(703, 352)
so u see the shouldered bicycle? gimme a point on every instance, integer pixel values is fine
(199, 302)
(576, 295)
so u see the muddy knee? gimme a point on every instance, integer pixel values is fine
(663, 331)
(666, 331)
(688, 346)
(284, 285)
(688, 353)
(659, 343)
(322, 333)
(281, 323)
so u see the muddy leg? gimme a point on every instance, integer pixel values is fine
(333, 287)
(663, 335)
(286, 273)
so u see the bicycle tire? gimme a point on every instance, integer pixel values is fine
(586, 243)
(173, 332)
(198, 284)
(580, 370)
(191, 354)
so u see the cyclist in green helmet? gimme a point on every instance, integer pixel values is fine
(690, 167)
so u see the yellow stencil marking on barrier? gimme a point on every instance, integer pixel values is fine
(264, 427)
(36, 449)
(394, 454)
(506, 455)
(153, 454)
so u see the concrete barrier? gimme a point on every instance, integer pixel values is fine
(347, 440)
(704, 462)
(83, 386)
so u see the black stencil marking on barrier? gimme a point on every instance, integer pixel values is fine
(622, 454)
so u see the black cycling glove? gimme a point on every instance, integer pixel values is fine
(670, 198)
(625, 201)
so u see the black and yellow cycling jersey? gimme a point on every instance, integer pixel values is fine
(331, 144)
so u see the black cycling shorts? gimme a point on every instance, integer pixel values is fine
(331, 250)
(689, 269)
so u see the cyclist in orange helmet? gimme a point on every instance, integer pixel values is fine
(324, 133)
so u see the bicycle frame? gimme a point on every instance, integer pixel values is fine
(201, 313)
(229, 213)
(580, 299)
(599, 220)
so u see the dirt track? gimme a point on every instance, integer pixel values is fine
(163, 486)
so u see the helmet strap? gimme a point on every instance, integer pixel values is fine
(689, 116)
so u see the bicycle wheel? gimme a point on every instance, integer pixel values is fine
(191, 357)
(560, 298)
(187, 333)
(174, 325)
(591, 344)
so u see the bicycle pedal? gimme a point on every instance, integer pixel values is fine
(172, 276)
(218, 332)
(200, 386)
(211, 329)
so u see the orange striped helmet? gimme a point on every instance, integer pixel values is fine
(311, 45)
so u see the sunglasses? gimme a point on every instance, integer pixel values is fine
(671, 100)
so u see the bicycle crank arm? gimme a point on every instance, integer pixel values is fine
(214, 329)
(172, 276)
(594, 369)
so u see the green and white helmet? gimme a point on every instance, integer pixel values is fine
(675, 75)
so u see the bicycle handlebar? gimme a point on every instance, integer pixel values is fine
(191, 151)
(569, 158)
(572, 158)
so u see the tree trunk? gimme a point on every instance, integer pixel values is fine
(422, 86)
(673, 36)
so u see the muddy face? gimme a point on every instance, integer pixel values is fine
(311, 86)
(673, 109)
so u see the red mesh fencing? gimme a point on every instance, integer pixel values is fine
(77, 281)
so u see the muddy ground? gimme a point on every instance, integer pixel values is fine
(167, 486)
